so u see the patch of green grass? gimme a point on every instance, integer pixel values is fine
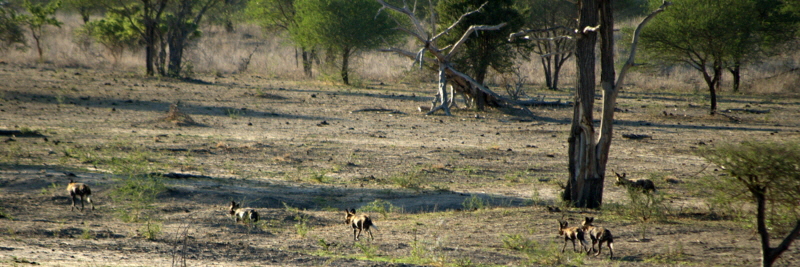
(674, 255)
(51, 190)
(369, 250)
(4, 214)
(518, 242)
(137, 195)
(475, 202)
(234, 113)
(380, 206)
(319, 177)
(412, 180)
(150, 230)
(87, 234)
(549, 253)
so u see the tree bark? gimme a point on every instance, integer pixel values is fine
(582, 135)
(736, 72)
(345, 65)
(588, 153)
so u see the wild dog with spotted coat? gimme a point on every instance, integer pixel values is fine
(598, 236)
(242, 214)
(571, 234)
(79, 190)
(360, 223)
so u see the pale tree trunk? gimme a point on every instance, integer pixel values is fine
(588, 150)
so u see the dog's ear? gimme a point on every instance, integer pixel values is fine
(353, 211)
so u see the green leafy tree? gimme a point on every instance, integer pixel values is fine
(768, 174)
(279, 16)
(712, 35)
(344, 26)
(115, 32)
(39, 16)
(489, 49)
(182, 22)
(11, 32)
(84, 7)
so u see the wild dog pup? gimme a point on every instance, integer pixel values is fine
(571, 234)
(360, 222)
(645, 185)
(242, 214)
(79, 190)
(598, 236)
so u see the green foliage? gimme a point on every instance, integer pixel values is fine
(272, 15)
(10, 28)
(369, 250)
(137, 195)
(380, 206)
(488, 48)
(150, 230)
(342, 26)
(751, 168)
(115, 32)
(411, 180)
(302, 226)
(704, 33)
(87, 234)
(40, 15)
(475, 202)
(518, 242)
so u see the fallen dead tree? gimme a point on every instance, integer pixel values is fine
(442, 59)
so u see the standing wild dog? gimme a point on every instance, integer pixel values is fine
(242, 214)
(645, 185)
(598, 235)
(360, 222)
(571, 234)
(79, 190)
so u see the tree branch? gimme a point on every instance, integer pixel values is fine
(487, 91)
(525, 33)
(787, 241)
(469, 31)
(407, 12)
(445, 31)
(635, 42)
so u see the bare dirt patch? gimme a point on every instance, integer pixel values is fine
(299, 154)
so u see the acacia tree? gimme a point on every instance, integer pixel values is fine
(553, 45)
(40, 15)
(588, 148)
(712, 35)
(344, 26)
(10, 29)
(770, 174)
(182, 23)
(279, 15)
(114, 32)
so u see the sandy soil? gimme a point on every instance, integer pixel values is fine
(300, 152)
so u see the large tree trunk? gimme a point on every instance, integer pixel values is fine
(588, 153)
(582, 162)
(548, 72)
(345, 65)
(736, 72)
(308, 57)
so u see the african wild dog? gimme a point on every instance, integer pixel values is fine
(79, 190)
(360, 222)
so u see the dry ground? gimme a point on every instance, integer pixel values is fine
(299, 152)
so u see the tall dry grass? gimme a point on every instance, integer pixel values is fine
(220, 52)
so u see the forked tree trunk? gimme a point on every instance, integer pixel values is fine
(588, 150)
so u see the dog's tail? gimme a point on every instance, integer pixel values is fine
(372, 224)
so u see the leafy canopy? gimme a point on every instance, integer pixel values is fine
(342, 24)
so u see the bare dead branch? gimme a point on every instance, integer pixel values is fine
(447, 30)
(417, 24)
(469, 31)
(489, 92)
(635, 41)
(524, 34)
